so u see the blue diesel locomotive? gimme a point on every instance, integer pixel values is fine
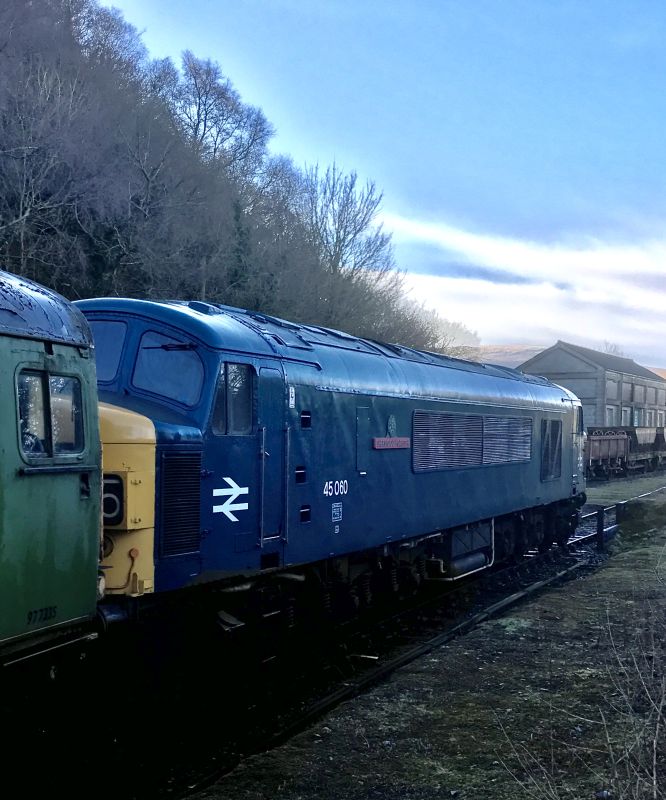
(238, 446)
(242, 452)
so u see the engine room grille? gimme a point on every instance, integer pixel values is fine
(455, 441)
(179, 502)
(506, 439)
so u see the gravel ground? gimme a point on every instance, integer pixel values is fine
(518, 700)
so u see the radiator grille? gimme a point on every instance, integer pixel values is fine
(455, 441)
(446, 441)
(180, 503)
(506, 439)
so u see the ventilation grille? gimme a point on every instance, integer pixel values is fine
(447, 441)
(180, 503)
(506, 439)
(456, 441)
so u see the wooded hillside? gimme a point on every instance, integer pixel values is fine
(122, 175)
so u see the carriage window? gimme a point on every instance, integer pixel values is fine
(50, 414)
(169, 367)
(109, 338)
(232, 410)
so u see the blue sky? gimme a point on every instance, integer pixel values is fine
(520, 144)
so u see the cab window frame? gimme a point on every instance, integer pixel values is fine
(119, 354)
(188, 345)
(221, 421)
(47, 450)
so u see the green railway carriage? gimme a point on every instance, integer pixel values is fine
(49, 472)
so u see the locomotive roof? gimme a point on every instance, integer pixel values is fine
(228, 328)
(34, 312)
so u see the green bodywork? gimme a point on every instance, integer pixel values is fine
(49, 505)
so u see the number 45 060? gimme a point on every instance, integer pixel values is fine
(335, 488)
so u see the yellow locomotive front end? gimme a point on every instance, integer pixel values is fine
(128, 455)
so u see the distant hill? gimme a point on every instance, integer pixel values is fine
(506, 355)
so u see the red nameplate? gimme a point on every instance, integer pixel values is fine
(391, 443)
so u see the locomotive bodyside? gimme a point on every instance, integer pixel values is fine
(49, 472)
(282, 446)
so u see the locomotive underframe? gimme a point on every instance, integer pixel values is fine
(339, 587)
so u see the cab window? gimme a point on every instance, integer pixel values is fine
(109, 336)
(169, 367)
(66, 416)
(234, 400)
(50, 414)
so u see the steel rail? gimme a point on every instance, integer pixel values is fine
(352, 687)
(602, 532)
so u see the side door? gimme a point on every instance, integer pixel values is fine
(271, 404)
(231, 474)
(578, 449)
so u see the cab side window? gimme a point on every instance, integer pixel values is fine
(109, 336)
(234, 401)
(50, 414)
(169, 367)
(32, 413)
(551, 449)
(66, 414)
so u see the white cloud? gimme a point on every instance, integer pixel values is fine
(585, 291)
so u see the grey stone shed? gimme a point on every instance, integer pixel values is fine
(613, 390)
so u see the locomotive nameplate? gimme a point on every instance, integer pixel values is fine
(391, 443)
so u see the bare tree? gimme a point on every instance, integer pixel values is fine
(124, 176)
(341, 217)
(216, 121)
(107, 41)
(613, 349)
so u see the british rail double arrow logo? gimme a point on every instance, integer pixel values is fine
(231, 494)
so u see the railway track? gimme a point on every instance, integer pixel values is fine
(367, 656)
(200, 729)
(491, 595)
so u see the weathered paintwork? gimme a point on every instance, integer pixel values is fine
(307, 483)
(32, 311)
(49, 501)
(129, 454)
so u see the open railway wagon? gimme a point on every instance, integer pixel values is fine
(616, 451)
